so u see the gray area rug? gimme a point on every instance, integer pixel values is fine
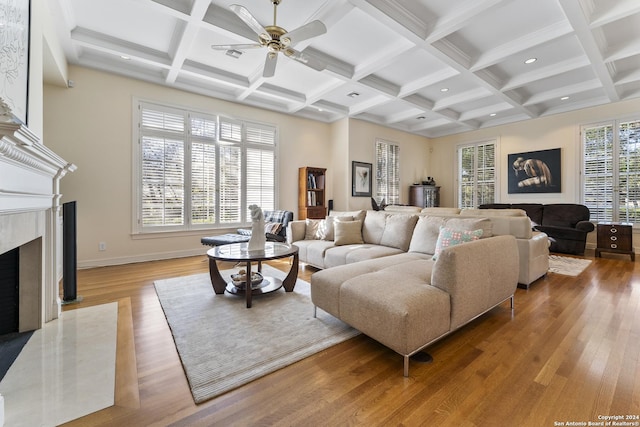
(567, 266)
(223, 345)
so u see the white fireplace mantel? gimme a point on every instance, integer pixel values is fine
(30, 175)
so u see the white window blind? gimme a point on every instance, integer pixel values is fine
(476, 174)
(387, 172)
(611, 170)
(199, 170)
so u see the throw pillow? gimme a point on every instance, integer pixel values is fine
(348, 232)
(326, 227)
(272, 227)
(449, 237)
(311, 230)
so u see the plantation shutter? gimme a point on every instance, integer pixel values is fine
(162, 169)
(261, 163)
(476, 174)
(611, 171)
(387, 172)
(203, 170)
(629, 172)
(598, 172)
(194, 170)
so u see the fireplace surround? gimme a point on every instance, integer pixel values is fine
(30, 220)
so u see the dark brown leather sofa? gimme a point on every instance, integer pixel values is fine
(566, 224)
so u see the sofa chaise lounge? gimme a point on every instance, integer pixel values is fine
(381, 276)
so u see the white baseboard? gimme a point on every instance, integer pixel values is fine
(105, 262)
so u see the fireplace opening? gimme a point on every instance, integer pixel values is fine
(9, 291)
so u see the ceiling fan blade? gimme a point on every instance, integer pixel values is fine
(305, 59)
(235, 46)
(252, 22)
(307, 31)
(270, 65)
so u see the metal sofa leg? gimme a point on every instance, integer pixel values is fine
(315, 311)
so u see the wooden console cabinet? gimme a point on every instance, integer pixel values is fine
(616, 237)
(311, 193)
(424, 196)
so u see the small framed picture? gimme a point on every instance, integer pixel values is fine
(361, 179)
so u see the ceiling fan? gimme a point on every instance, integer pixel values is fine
(276, 39)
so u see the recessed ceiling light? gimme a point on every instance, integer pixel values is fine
(353, 94)
(444, 89)
(492, 115)
(530, 60)
(564, 98)
(421, 117)
(125, 57)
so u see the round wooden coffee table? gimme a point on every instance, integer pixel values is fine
(238, 252)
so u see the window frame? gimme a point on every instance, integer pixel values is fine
(188, 224)
(496, 169)
(616, 151)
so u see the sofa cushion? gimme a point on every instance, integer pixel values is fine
(564, 214)
(313, 251)
(348, 254)
(348, 232)
(440, 211)
(425, 234)
(492, 212)
(451, 237)
(373, 227)
(398, 231)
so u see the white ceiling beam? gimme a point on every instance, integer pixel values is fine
(463, 15)
(564, 91)
(426, 81)
(117, 48)
(625, 50)
(578, 21)
(541, 73)
(611, 11)
(185, 36)
(485, 111)
(411, 113)
(521, 44)
(462, 97)
(369, 103)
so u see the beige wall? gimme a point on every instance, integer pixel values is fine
(90, 125)
(558, 131)
(414, 156)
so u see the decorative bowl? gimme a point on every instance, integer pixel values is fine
(240, 279)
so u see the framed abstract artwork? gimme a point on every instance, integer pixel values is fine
(361, 179)
(14, 57)
(535, 172)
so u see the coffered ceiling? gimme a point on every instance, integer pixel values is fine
(429, 67)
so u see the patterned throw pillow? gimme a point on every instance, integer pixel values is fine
(450, 237)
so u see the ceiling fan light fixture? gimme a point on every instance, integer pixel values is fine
(234, 53)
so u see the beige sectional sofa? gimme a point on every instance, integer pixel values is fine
(379, 274)
(533, 246)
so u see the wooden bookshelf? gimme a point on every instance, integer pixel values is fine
(311, 193)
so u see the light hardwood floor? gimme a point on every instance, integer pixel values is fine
(570, 352)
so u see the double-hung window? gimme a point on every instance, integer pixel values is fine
(387, 172)
(476, 174)
(196, 170)
(611, 170)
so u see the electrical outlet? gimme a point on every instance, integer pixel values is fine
(102, 246)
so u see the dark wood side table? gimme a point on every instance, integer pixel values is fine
(238, 252)
(616, 237)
